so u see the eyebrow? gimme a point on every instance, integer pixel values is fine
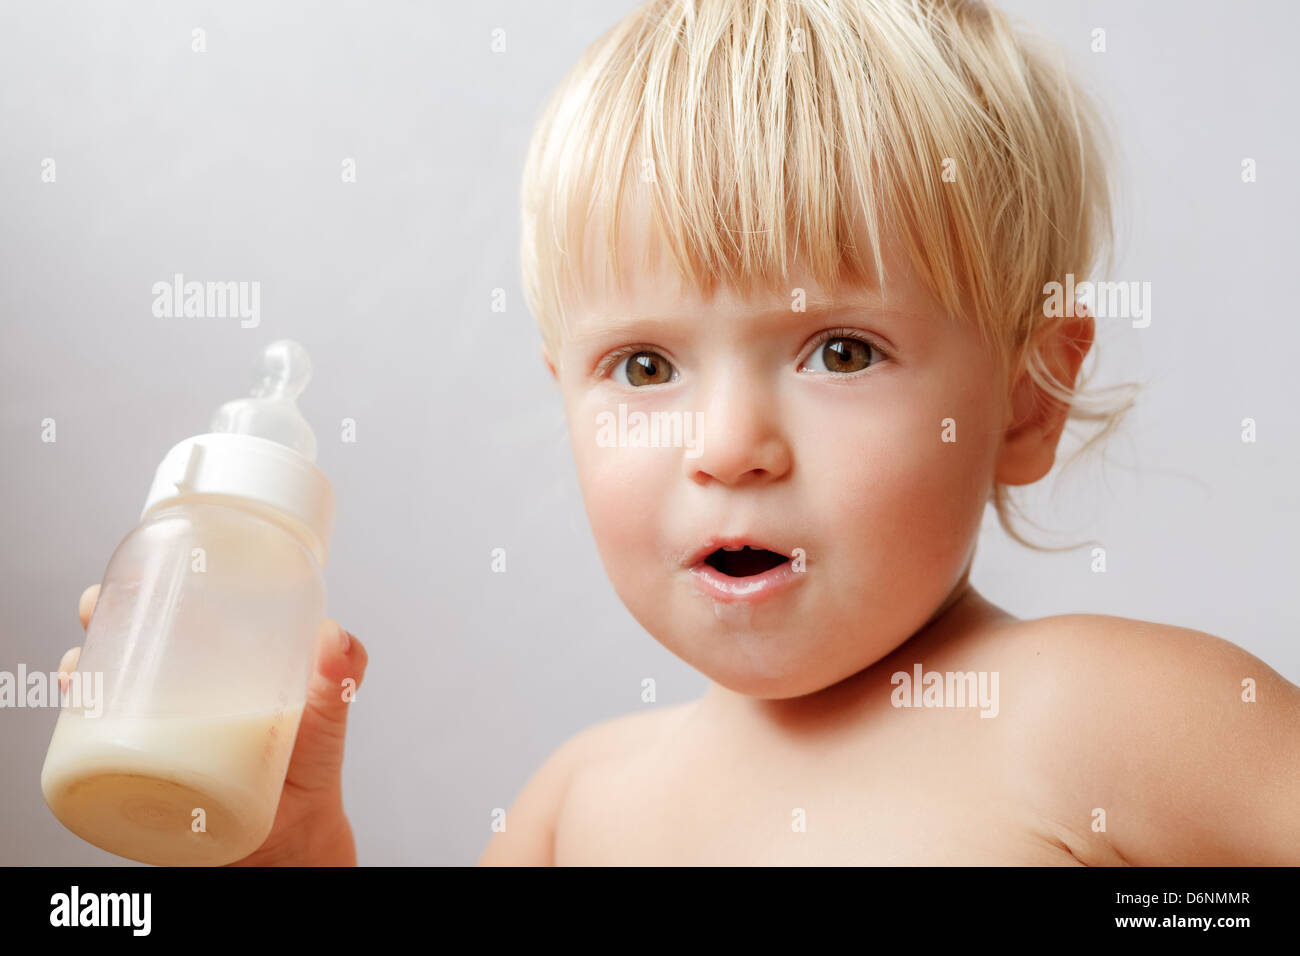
(612, 324)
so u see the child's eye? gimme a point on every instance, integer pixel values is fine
(842, 354)
(643, 368)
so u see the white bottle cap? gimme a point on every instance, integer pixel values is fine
(259, 449)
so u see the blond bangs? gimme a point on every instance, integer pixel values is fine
(755, 133)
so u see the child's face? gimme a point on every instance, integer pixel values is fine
(835, 447)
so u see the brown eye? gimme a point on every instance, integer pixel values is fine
(842, 355)
(646, 368)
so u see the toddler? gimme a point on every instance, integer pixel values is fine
(822, 232)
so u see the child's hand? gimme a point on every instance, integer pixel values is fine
(310, 826)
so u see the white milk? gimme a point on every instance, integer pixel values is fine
(130, 785)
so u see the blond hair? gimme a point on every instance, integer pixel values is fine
(776, 129)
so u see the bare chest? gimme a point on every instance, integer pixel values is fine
(713, 802)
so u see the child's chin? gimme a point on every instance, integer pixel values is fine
(766, 686)
(769, 665)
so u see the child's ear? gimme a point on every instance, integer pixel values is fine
(550, 366)
(1036, 418)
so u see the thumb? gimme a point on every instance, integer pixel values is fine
(317, 761)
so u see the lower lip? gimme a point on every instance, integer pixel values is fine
(754, 588)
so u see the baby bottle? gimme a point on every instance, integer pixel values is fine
(203, 640)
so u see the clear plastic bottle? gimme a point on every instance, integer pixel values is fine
(205, 634)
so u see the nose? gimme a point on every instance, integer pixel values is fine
(742, 441)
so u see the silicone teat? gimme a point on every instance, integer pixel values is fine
(280, 375)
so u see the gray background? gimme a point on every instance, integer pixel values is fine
(226, 166)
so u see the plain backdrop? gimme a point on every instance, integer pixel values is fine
(227, 165)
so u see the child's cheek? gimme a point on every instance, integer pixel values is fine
(623, 490)
(907, 483)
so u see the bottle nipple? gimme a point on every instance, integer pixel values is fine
(280, 375)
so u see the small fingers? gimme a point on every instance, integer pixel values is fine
(68, 665)
(87, 603)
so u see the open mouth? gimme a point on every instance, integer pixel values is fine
(744, 562)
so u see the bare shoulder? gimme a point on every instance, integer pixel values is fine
(627, 733)
(1076, 663)
(1170, 738)
(529, 835)
(1090, 634)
